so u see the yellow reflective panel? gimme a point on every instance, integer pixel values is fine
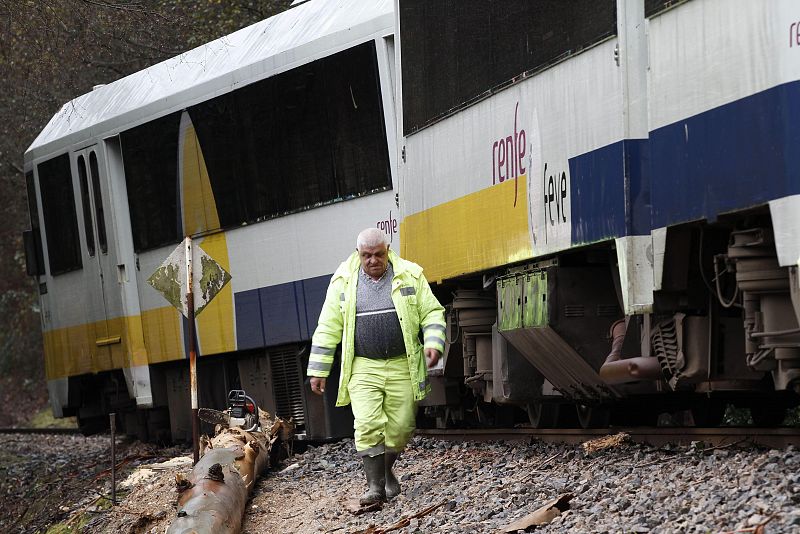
(478, 231)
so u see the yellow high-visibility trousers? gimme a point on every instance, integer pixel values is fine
(383, 405)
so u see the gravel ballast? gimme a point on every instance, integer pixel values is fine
(486, 485)
(481, 487)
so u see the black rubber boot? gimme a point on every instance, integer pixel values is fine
(392, 484)
(374, 467)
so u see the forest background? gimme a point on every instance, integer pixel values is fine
(52, 51)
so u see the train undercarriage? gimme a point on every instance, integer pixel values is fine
(549, 339)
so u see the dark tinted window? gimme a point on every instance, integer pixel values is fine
(33, 211)
(654, 7)
(60, 220)
(303, 138)
(457, 51)
(86, 204)
(98, 203)
(150, 158)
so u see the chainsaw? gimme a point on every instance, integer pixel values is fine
(241, 412)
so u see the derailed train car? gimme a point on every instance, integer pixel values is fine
(273, 147)
(603, 193)
(609, 192)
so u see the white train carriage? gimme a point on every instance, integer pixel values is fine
(273, 147)
(567, 167)
(725, 183)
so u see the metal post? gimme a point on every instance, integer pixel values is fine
(112, 417)
(192, 352)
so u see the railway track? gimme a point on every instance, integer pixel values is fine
(39, 431)
(656, 436)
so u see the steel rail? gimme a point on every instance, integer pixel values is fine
(12, 430)
(656, 436)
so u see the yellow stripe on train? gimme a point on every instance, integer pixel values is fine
(88, 348)
(469, 234)
(154, 337)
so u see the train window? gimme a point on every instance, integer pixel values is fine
(85, 202)
(150, 160)
(33, 211)
(307, 137)
(60, 219)
(458, 51)
(98, 203)
(656, 7)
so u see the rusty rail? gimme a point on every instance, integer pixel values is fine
(13, 430)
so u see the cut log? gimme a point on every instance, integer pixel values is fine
(213, 497)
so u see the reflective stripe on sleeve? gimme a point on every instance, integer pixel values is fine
(316, 349)
(434, 336)
(434, 343)
(316, 365)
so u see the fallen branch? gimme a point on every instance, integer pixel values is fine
(541, 516)
(605, 442)
(404, 522)
(757, 529)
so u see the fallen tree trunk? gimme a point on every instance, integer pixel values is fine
(213, 497)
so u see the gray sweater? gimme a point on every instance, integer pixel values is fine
(378, 334)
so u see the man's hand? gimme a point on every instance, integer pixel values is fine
(317, 385)
(432, 355)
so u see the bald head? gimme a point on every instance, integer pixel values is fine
(371, 237)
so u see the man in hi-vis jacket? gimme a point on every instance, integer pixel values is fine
(376, 305)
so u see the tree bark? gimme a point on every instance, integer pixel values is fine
(213, 497)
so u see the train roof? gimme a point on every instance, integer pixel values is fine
(309, 31)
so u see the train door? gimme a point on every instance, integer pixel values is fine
(102, 295)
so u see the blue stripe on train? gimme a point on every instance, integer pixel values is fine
(738, 155)
(283, 313)
(601, 181)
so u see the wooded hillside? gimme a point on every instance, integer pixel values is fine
(53, 51)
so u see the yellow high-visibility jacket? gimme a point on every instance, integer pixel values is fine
(416, 306)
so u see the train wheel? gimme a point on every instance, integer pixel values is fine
(767, 416)
(708, 412)
(543, 414)
(593, 416)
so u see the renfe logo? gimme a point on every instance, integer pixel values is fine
(508, 155)
(389, 226)
(794, 34)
